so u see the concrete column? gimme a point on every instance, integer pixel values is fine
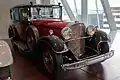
(110, 18)
(52, 1)
(38, 2)
(45, 2)
(84, 11)
(68, 10)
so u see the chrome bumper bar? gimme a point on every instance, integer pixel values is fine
(88, 62)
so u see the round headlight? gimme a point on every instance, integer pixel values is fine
(66, 33)
(91, 30)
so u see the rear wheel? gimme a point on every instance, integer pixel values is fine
(49, 63)
(11, 32)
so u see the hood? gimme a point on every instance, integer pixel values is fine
(55, 23)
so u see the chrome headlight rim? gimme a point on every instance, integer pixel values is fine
(90, 30)
(66, 33)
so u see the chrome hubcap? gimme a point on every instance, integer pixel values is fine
(48, 61)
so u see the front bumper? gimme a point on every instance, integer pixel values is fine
(87, 62)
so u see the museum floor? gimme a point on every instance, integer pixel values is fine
(23, 69)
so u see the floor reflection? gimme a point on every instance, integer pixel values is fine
(97, 71)
(93, 72)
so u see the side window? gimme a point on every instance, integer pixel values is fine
(15, 15)
(24, 13)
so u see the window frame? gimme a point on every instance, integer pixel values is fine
(14, 14)
(20, 14)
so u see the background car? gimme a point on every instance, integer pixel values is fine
(6, 60)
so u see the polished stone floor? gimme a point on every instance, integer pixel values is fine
(23, 69)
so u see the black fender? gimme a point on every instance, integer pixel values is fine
(56, 44)
(101, 36)
(98, 38)
(103, 39)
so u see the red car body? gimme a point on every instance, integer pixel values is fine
(44, 26)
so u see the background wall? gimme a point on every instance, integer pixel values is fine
(5, 5)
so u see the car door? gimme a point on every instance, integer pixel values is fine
(24, 14)
(15, 19)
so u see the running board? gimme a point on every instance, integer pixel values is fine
(21, 46)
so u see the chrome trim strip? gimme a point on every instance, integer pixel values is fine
(61, 51)
(78, 38)
(87, 62)
(65, 50)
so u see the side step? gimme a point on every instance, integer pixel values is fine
(21, 46)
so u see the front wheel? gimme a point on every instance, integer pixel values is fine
(49, 63)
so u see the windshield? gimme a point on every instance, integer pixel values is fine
(53, 12)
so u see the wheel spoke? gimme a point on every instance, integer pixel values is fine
(48, 61)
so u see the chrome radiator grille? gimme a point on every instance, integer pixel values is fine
(77, 46)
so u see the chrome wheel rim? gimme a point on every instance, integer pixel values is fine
(48, 60)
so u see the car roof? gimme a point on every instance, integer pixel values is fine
(39, 5)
